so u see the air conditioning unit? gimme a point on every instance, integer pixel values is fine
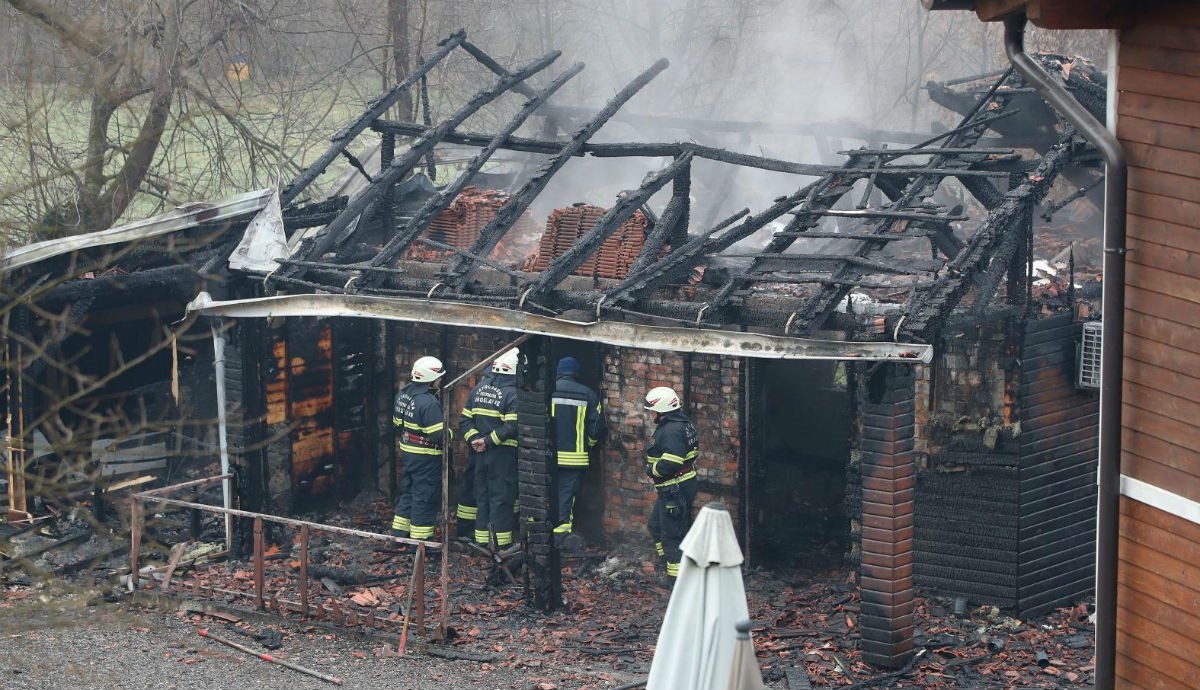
(1089, 356)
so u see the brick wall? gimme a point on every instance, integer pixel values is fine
(626, 374)
(713, 402)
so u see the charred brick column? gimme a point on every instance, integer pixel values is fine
(535, 479)
(888, 481)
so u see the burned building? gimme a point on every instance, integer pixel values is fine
(884, 378)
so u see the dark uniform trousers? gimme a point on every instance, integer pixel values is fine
(420, 432)
(467, 510)
(671, 465)
(491, 414)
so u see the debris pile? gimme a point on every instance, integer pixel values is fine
(567, 225)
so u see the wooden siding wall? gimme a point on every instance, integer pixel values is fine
(1158, 122)
(1158, 599)
(1159, 125)
(1057, 473)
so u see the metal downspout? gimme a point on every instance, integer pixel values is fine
(222, 429)
(1111, 344)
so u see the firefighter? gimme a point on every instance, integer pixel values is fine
(671, 465)
(575, 412)
(489, 426)
(420, 432)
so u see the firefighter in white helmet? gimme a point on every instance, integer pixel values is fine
(671, 465)
(420, 433)
(489, 425)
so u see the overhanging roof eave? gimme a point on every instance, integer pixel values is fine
(621, 334)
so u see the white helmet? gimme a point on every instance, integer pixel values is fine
(662, 399)
(427, 369)
(507, 362)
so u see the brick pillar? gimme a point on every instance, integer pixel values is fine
(888, 485)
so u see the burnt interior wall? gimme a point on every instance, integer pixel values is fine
(966, 509)
(799, 417)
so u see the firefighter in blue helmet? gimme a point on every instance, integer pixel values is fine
(420, 432)
(489, 426)
(576, 414)
(671, 465)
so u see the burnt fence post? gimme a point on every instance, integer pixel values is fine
(888, 485)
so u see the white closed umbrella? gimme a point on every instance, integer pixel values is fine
(697, 642)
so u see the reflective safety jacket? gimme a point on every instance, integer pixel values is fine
(491, 412)
(671, 457)
(576, 413)
(417, 419)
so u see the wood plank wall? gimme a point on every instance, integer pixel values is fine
(1159, 125)
(1158, 109)
(1059, 444)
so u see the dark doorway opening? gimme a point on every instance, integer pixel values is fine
(799, 418)
(589, 504)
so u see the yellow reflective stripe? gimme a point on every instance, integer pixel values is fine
(658, 548)
(680, 478)
(504, 538)
(422, 532)
(467, 413)
(418, 450)
(672, 569)
(483, 411)
(470, 433)
(673, 458)
(512, 442)
(466, 512)
(510, 417)
(398, 421)
(568, 459)
(564, 528)
(579, 434)
(592, 442)
(431, 429)
(481, 537)
(400, 523)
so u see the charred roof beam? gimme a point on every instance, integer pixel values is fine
(461, 270)
(625, 207)
(928, 309)
(434, 205)
(404, 164)
(377, 107)
(671, 226)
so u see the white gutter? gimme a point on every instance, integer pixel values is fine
(183, 217)
(622, 334)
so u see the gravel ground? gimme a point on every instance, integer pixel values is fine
(54, 639)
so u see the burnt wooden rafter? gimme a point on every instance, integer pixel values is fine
(672, 225)
(812, 315)
(928, 309)
(625, 207)
(440, 202)
(460, 271)
(377, 107)
(403, 165)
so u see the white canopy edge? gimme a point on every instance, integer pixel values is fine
(675, 339)
(181, 218)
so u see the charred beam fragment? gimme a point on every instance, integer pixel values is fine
(892, 215)
(987, 281)
(574, 257)
(404, 164)
(377, 107)
(680, 259)
(812, 263)
(672, 226)
(435, 205)
(928, 309)
(490, 235)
